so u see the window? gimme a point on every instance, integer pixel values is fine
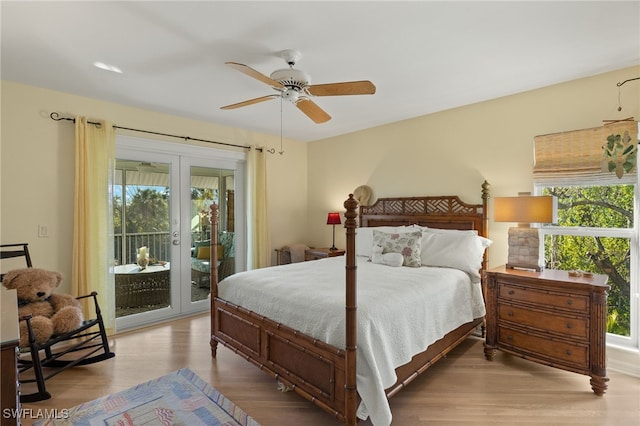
(597, 227)
(596, 233)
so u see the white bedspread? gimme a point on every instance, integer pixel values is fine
(401, 311)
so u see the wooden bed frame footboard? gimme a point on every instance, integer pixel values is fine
(321, 373)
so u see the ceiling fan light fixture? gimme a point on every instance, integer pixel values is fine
(291, 95)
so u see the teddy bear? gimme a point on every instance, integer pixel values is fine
(52, 314)
(390, 259)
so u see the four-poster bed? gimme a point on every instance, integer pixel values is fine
(325, 373)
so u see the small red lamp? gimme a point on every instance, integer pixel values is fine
(333, 219)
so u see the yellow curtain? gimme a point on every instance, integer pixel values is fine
(258, 242)
(92, 247)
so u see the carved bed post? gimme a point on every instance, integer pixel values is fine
(485, 205)
(213, 273)
(485, 224)
(351, 395)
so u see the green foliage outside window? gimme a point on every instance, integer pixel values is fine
(596, 207)
(148, 211)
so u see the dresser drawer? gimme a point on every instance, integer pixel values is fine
(567, 326)
(548, 298)
(554, 351)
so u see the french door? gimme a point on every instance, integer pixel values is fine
(161, 197)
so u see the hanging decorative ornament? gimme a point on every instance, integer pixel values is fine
(620, 154)
(619, 84)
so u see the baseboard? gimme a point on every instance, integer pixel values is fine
(623, 360)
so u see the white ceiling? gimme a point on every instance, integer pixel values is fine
(423, 56)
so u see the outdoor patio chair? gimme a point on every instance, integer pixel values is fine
(85, 345)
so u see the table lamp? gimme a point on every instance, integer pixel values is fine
(333, 219)
(524, 241)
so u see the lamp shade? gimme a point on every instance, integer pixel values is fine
(333, 219)
(526, 209)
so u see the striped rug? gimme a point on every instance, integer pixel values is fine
(178, 398)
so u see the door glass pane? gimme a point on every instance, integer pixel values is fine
(210, 185)
(141, 231)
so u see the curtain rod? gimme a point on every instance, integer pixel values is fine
(626, 81)
(56, 117)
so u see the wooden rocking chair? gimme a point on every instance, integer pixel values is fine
(8, 251)
(88, 343)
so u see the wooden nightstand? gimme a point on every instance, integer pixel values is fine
(550, 318)
(321, 253)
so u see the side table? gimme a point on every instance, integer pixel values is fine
(550, 318)
(322, 253)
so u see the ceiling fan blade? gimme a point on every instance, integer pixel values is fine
(313, 111)
(250, 102)
(364, 87)
(255, 74)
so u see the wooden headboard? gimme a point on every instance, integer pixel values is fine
(445, 212)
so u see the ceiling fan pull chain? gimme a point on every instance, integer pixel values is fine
(281, 150)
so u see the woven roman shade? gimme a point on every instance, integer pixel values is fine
(578, 155)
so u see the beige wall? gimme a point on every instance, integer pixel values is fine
(37, 167)
(454, 151)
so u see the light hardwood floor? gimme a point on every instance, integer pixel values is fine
(461, 389)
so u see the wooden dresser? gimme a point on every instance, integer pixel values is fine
(550, 318)
(10, 337)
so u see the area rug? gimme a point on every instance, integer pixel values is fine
(179, 398)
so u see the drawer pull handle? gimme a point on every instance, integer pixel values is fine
(509, 337)
(569, 325)
(510, 313)
(511, 292)
(568, 352)
(569, 302)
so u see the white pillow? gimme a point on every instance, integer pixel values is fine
(406, 243)
(442, 230)
(364, 238)
(459, 250)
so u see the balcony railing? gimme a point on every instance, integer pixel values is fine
(158, 245)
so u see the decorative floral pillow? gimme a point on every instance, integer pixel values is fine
(364, 237)
(405, 243)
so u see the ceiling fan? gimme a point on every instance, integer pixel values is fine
(294, 85)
